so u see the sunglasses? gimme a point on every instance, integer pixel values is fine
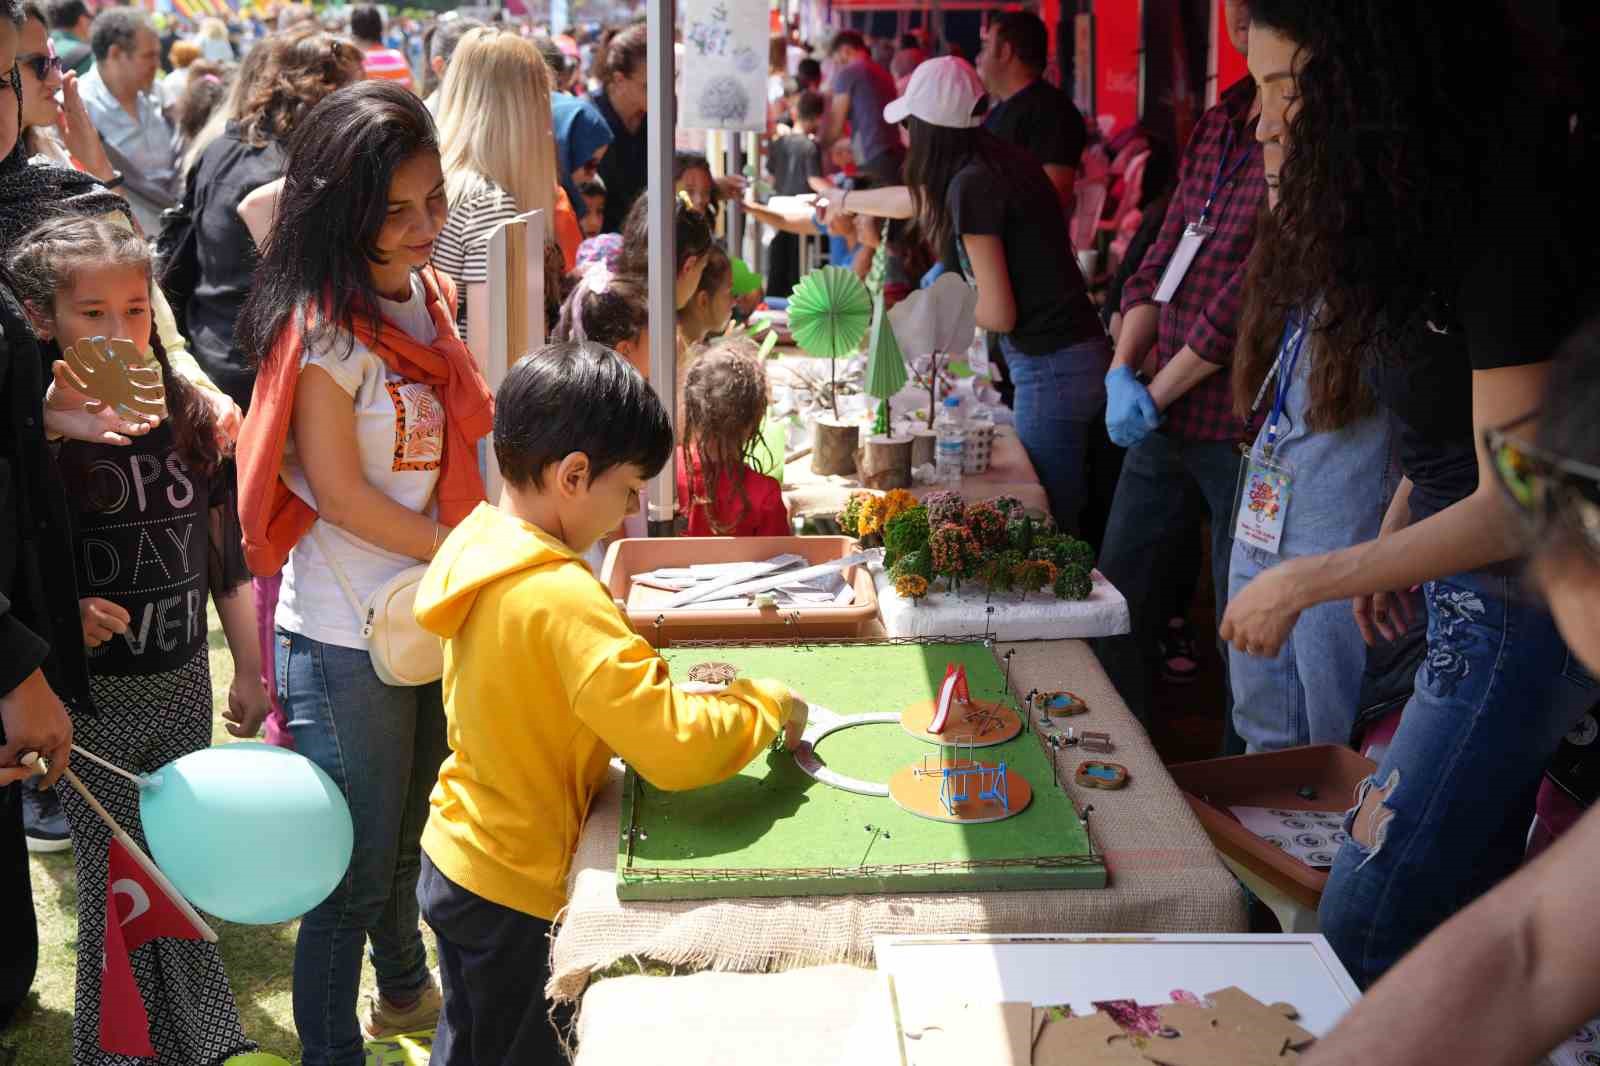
(1544, 487)
(43, 65)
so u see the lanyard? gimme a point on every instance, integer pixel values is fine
(1224, 173)
(1294, 337)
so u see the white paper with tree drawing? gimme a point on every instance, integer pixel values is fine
(725, 46)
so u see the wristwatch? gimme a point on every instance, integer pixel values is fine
(116, 180)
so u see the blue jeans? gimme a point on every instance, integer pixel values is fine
(1342, 482)
(1148, 507)
(1492, 700)
(382, 746)
(1059, 395)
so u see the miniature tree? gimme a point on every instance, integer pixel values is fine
(850, 517)
(1034, 574)
(955, 554)
(999, 571)
(1073, 583)
(919, 562)
(828, 314)
(886, 366)
(905, 533)
(988, 526)
(912, 586)
(944, 508)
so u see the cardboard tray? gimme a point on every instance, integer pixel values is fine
(637, 556)
(1271, 779)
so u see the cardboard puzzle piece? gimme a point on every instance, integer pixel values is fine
(1094, 1040)
(1236, 1031)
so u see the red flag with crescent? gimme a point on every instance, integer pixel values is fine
(138, 910)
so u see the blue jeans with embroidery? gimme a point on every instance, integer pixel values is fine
(1059, 395)
(382, 745)
(1492, 700)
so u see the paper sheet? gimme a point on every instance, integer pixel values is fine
(1313, 837)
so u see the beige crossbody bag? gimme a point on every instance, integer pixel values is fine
(403, 653)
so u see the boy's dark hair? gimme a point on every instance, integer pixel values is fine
(846, 39)
(809, 73)
(593, 187)
(1026, 34)
(366, 23)
(64, 14)
(577, 397)
(810, 105)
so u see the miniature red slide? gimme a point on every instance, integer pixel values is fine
(953, 689)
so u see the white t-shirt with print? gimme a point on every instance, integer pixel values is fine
(400, 434)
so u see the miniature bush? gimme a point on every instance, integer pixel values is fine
(998, 571)
(1020, 534)
(904, 533)
(850, 517)
(986, 524)
(1073, 583)
(897, 502)
(870, 518)
(1009, 506)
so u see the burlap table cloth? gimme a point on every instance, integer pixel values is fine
(1165, 875)
(1010, 473)
(828, 1016)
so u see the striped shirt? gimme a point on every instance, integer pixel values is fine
(389, 65)
(462, 248)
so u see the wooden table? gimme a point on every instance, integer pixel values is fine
(1165, 875)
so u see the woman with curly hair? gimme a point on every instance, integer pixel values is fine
(296, 71)
(1422, 212)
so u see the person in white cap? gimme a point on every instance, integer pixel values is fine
(1011, 241)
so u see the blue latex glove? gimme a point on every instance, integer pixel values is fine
(1131, 414)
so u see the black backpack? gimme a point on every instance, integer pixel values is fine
(178, 253)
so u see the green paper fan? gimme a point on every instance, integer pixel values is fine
(829, 311)
(886, 365)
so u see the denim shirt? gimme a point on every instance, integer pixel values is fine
(146, 143)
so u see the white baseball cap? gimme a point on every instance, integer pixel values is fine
(942, 92)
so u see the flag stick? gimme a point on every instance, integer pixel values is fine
(137, 779)
(144, 861)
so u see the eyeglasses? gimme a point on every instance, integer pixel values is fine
(43, 65)
(1546, 487)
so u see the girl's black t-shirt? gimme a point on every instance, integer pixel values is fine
(1006, 194)
(142, 524)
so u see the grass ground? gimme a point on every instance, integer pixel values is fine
(259, 958)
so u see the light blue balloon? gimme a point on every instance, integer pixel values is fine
(249, 832)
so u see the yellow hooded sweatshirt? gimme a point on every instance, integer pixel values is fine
(543, 682)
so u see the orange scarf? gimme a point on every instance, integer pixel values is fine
(273, 517)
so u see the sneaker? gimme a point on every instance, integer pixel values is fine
(380, 1018)
(44, 822)
(1178, 662)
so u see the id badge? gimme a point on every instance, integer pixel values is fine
(1194, 235)
(1263, 502)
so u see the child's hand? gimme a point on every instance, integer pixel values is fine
(247, 706)
(101, 620)
(72, 413)
(795, 727)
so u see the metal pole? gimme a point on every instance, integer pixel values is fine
(662, 120)
(732, 164)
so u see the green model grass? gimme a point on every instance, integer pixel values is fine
(773, 831)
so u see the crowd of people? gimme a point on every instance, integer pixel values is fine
(1345, 323)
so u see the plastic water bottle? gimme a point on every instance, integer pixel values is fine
(949, 442)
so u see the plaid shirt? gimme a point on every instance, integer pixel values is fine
(1205, 309)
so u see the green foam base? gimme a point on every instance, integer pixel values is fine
(771, 830)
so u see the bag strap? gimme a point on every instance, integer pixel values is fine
(363, 613)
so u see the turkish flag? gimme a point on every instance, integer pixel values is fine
(138, 910)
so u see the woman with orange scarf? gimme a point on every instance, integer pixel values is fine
(359, 453)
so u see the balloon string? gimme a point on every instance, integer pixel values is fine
(137, 779)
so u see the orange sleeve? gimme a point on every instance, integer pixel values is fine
(568, 235)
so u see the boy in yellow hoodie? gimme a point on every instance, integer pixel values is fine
(543, 682)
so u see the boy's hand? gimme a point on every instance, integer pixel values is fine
(795, 727)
